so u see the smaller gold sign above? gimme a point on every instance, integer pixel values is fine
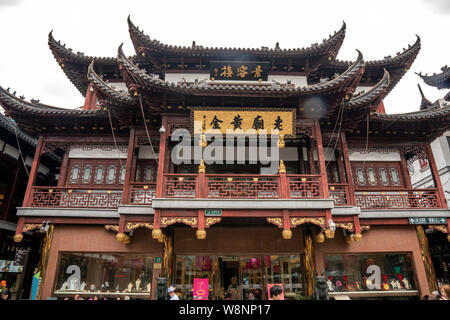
(240, 121)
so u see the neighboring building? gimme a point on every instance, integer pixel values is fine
(421, 174)
(16, 158)
(341, 202)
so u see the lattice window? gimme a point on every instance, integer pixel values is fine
(395, 177)
(99, 175)
(384, 180)
(372, 176)
(360, 177)
(96, 172)
(75, 174)
(87, 172)
(122, 174)
(146, 171)
(111, 174)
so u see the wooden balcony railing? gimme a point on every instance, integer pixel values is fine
(305, 186)
(56, 197)
(142, 193)
(339, 192)
(180, 185)
(404, 199)
(243, 186)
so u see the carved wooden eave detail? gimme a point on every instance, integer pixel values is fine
(209, 221)
(167, 221)
(276, 221)
(112, 227)
(320, 221)
(136, 225)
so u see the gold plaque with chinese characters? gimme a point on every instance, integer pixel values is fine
(244, 120)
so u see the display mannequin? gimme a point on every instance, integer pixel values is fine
(64, 286)
(130, 286)
(406, 283)
(73, 284)
(149, 286)
(83, 285)
(117, 288)
(92, 287)
(330, 285)
(138, 284)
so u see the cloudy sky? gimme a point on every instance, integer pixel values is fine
(378, 28)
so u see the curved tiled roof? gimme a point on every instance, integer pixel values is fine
(375, 93)
(397, 66)
(429, 114)
(106, 90)
(14, 128)
(140, 77)
(329, 46)
(440, 80)
(71, 62)
(13, 104)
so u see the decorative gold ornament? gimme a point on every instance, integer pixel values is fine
(282, 168)
(156, 233)
(30, 227)
(120, 237)
(276, 221)
(347, 226)
(357, 237)
(112, 227)
(211, 221)
(133, 226)
(161, 238)
(203, 142)
(287, 234)
(298, 221)
(126, 240)
(281, 143)
(202, 167)
(320, 238)
(18, 237)
(201, 234)
(189, 221)
(348, 240)
(329, 234)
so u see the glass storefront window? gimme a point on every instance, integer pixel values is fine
(104, 273)
(368, 272)
(286, 270)
(190, 267)
(239, 277)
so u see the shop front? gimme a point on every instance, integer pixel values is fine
(386, 264)
(238, 263)
(239, 277)
(89, 261)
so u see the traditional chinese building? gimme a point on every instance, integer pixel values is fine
(18, 260)
(421, 174)
(122, 213)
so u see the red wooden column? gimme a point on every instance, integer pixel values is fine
(405, 172)
(156, 233)
(63, 169)
(435, 174)
(323, 173)
(348, 169)
(33, 172)
(321, 158)
(129, 166)
(89, 97)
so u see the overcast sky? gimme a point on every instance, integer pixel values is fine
(378, 28)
